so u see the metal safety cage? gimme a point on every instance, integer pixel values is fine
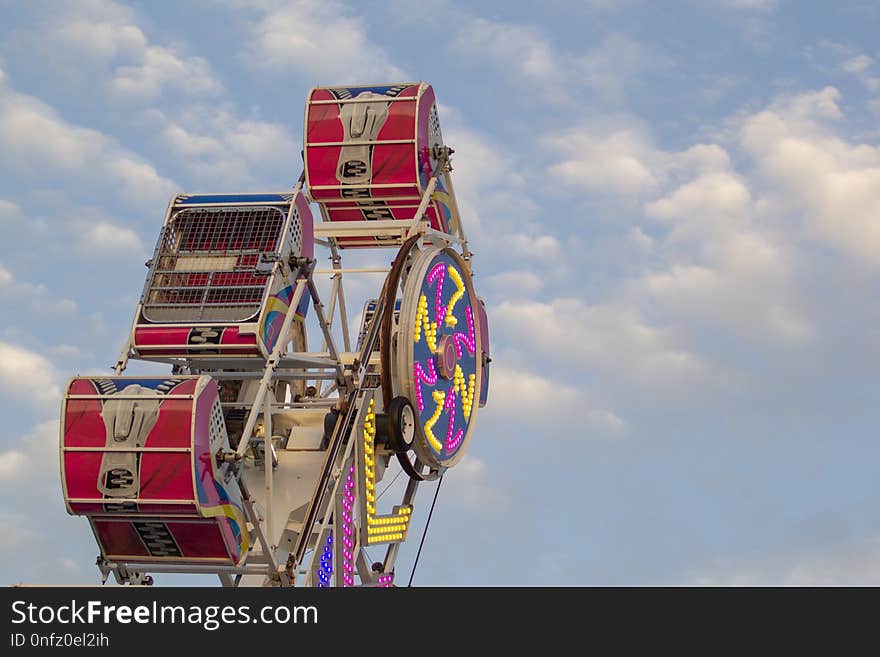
(219, 275)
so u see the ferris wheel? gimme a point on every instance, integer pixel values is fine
(256, 458)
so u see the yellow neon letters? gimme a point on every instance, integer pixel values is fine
(386, 528)
(422, 317)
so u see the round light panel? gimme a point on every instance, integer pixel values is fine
(438, 366)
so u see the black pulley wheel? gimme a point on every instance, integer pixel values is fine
(398, 424)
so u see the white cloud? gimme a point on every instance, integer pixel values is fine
(35, 299)
(35, 139)
(160, 66)
(682, 278)
(103, 40)
(747, 288)
(9, 211)
(854, 562)
(605, 420)
(5, 276)
(468, 484)
(862, 67)
(102, 37)
(751, 5)
(612, 338)
(711, 203)
(28, 376)
(323, 39)
(29, 474)
(66, 351)
(543, 247)
(616, 155)
(109, 238)
(35, 455)
(524, 53)
(732, 252)
(216, 144)
(522, 49)
(641, 239)
(830, 182)
(620, 162)
(857, 64)
(12, 535)
(479, 162)
(66, 228)
(12, 463)
(845, 61)
(726, 271)
(604, 4)
(528, 398)
(488, 185)
(516, 281)
(615, 64)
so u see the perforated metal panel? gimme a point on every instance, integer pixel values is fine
(434, 134)
(218, 426)
(206, 265)
(295, 232)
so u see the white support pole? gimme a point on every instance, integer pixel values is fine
(271, 365)
(254, 517)
(418, 224)
(267, 460)
(466, 252)
(340, 293)
(328, 337)
(343, 317)
(122, 362)
(331, 311)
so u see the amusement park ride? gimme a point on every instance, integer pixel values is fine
(257, 457)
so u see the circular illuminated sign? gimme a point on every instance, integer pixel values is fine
(438, 366)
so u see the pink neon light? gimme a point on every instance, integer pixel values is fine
(386, 580)
(449, 407)
(470, 340)
(421, 376)
(347, 556)
(439, 270)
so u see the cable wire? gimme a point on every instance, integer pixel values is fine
(400, 472)
(425, 533)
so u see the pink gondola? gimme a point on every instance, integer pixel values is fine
(138, 459)
(370, 152)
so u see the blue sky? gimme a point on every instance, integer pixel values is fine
(676, 213)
